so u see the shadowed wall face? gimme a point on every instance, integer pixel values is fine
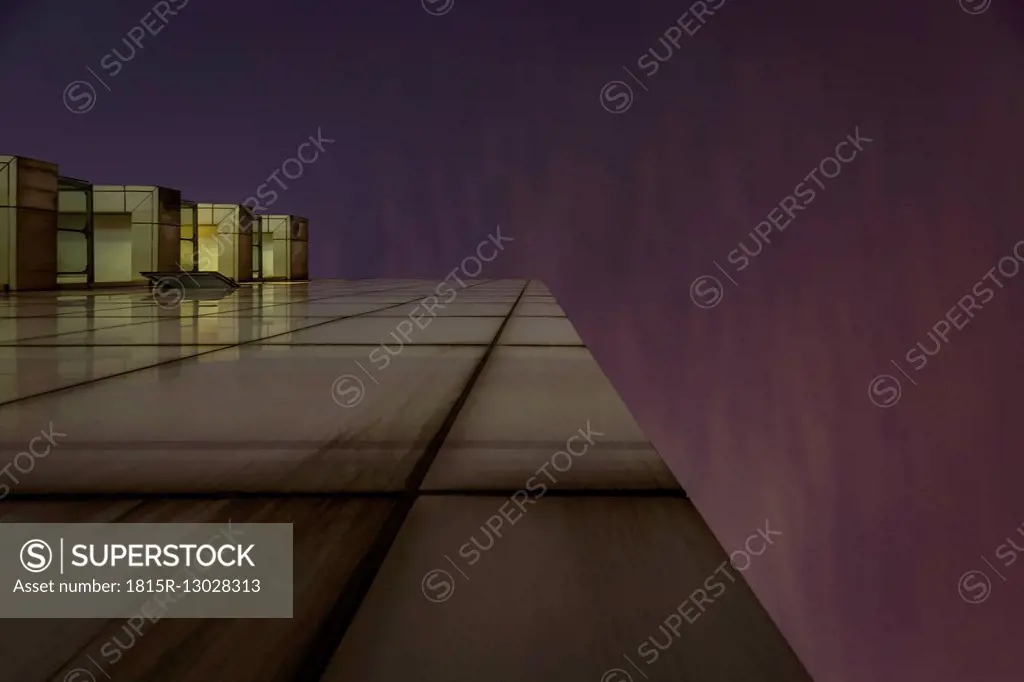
(28, 223)
(8, 213)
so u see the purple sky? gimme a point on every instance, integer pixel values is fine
(448, 125)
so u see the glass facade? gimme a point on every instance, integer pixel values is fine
(284, 247)
(188, 258)
(132, 231)
(275, 246)
(225, 239)
(75, 233)
(397, 442)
